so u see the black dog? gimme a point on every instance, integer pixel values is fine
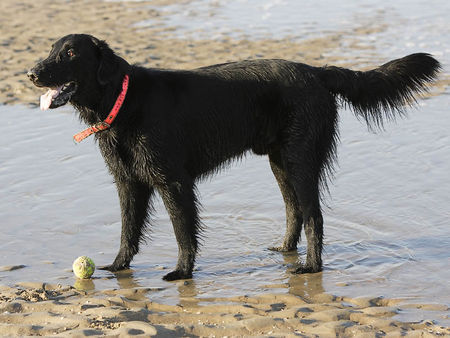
(176, 127)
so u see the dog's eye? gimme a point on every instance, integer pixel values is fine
(70, 53)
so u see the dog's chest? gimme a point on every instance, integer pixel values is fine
(131, 158)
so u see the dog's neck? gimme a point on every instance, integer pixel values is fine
(98, 108)
(106, 123)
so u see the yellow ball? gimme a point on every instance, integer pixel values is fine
(83, 267)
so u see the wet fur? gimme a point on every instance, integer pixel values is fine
(178, 126)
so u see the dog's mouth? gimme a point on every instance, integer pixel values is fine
(58, 96)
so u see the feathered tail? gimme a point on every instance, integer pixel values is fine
(382, 93)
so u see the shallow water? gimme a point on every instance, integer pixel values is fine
(386, 225)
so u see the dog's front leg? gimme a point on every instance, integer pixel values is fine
(181, 204)
(134, 199)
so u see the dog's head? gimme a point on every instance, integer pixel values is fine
(78, 65)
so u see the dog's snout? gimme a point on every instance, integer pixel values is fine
(32, 75)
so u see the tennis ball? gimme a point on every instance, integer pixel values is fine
(83, 267)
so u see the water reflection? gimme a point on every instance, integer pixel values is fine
(126, 279)
(84, 284)
(191, 292)
(303, 285)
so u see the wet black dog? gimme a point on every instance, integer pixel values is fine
(176, 127)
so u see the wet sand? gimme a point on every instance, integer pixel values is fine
(28, 29)
(43, 309)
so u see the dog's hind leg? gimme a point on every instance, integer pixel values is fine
(294, 216)
(134, 204)
(314, 234)
(310, 152)
(307, 189)
(181, 204)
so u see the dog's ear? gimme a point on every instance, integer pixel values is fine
(108, 62)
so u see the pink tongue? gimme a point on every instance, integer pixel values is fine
(46, 99)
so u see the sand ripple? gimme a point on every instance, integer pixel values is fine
(44, 309)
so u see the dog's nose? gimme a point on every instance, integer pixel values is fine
(32, 75)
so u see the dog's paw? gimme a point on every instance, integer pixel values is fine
(307, 269)
(113, 267)
(281, 249)
(176, 275)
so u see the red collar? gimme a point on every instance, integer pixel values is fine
(109, 119)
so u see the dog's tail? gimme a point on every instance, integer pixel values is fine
(382, 93)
